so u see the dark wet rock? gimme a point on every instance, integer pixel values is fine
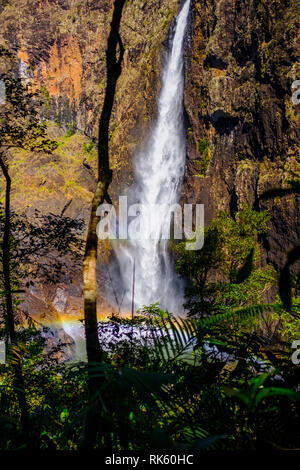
(238, 101)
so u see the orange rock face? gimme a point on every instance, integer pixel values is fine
(62, 73)
(23, 55)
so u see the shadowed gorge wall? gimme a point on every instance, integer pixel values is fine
(243, 134)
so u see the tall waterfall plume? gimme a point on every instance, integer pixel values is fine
(159, 170)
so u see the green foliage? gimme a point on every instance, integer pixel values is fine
(19, 122)
(72, 129)
(288, 322)
(204, 150)
(225, 273)
(184, 393)
(89, 147)
(255, 393)
(202, 145)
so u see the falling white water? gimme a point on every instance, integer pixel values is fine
(159, 170)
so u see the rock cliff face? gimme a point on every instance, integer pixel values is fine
(60, 46)
(242, 126)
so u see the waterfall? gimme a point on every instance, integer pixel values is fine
(159, 171)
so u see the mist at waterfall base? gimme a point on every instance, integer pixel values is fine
(159, 170)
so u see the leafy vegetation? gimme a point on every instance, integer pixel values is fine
(205, 153)
(221, 379)
(216, 384)
(227, 273)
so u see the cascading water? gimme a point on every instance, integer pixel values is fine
(159, 170)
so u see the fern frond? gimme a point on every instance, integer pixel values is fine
(172, 337)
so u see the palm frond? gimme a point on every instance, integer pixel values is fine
(173, 337)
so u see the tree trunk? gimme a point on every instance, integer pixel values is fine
(90, 279)
(94, 352)
(10, 321)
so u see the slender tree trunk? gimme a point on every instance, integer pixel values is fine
(90, 279)
(94, 353)
(10, 324)
(10, 321)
